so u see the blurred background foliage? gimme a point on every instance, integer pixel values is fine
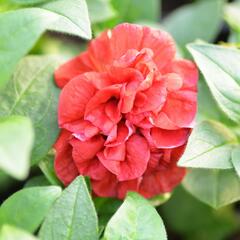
(215, 21)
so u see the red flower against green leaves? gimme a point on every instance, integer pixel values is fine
(126, 110)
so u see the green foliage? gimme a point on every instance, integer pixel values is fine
(133, 10)
(73, 215)
(214, 187)
(31, 92)
(97, 6)
(16, 141)
(11, 233)
(232, 15)
(47, 167)
(28, 2)
(27, 25)
(197, 20)
(136, 219)
(18, 209)
(194, 220)
(220, 65)
(236, 159)
(210, 146)
(36, 181)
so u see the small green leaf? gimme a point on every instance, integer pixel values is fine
(191, 21)
(73, 215)
(32, 92)
(11, 233)
(37, 181)
(27, 208)
(236, 159)
(20, 29)
(220, 65)
(47, 167)
(16, 141)
(210, 146)
(214, 187)
(136, 219)
(97, 6)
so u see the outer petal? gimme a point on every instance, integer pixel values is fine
(169, 138)
(73, 100)
(106, 187)
(161, 44)
(71, 69)
(161, 181)
(63, 164)
(135, 163)
(187, 70)
(124, 37)
(180, 108)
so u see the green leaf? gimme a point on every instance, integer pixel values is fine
(136, 219)
(207, 105)
(214, 187)
(68, 17)
(133, 10)
(47, 167)
(11, 233)
(97, 6)
(16, 141)
(236, 159)
(220, 65)
(32, 92)
(191, 21)
(27, 208)
(210, 146)
(37, 181)
(232, 15)
(20, 29)
(28, 2)
(73, 215)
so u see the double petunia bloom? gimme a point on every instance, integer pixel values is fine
(126, 110)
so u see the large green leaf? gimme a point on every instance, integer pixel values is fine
(27, 208)
(236, 159)
(197, 20)
(135, 10)
(73, 216)
(220, 67)
(210, 146)
(11, 233)
(32, 92)
(16, 141)
(214, 187)
(136, 219)
(21, 28)
(100, 6)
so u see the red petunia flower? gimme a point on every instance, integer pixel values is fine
(126, 110)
